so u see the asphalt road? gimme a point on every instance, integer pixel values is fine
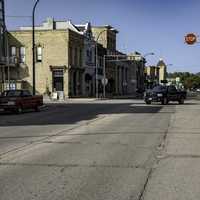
(99, 150)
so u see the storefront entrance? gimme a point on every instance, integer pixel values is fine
(58, 80)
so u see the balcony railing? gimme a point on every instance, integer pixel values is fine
(12, 61)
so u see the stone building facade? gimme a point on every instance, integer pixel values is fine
(156, 74)
(67, 57)
(152, 76)
(106, 36)
(162, 70)
(59, 59)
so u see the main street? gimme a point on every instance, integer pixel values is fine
(99, 150)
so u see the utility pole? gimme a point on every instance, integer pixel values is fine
(104, 76)
(33, 43)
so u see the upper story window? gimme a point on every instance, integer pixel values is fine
(13, 51)
(39, 54)
(22, 54)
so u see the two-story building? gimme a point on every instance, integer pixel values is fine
(67, 59)
(59, 57)
(155, 74)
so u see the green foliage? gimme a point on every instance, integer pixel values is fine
(189, 80)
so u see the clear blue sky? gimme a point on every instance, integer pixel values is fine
(146, 26)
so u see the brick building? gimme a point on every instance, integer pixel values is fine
(59, 58)
(66, 60)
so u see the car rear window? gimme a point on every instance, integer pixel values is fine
(12, 93)
(159, 88)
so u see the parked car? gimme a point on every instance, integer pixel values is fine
(164, 94)
(19, 100)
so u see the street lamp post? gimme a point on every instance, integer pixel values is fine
(33, 43)
(104, 76)
(96, 67)
(8, 58)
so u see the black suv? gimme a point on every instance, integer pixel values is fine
(164, 94)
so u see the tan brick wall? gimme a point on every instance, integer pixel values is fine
(162, 73)
(56, 46)
(54, 53)
(107, 38)
(103, 36)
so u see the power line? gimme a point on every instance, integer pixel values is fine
(12, 16)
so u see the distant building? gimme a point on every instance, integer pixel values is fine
(155, 74)
(162, 70)
(152, 75)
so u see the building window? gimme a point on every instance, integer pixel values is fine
(39, 54)
(22, 54)
(13, 51)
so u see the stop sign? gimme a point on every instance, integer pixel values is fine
(190, 38)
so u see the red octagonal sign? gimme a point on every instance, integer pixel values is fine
(190, 38)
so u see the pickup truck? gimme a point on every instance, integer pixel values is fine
(164, 94)
(19, 100)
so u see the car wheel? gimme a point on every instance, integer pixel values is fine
(148, 102)
(181, 101)
(165, 101)
(19, 110)
(37, 109)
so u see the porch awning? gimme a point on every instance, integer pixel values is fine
(55, 67)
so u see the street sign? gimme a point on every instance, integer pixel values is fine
(190, 38)
(104, 81)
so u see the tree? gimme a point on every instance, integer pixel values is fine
(189, 80)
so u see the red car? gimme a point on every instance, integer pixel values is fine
(19, 100)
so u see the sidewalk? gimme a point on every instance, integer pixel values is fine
(70, 100)
(177, 174)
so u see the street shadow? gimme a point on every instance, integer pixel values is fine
(71, 113)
